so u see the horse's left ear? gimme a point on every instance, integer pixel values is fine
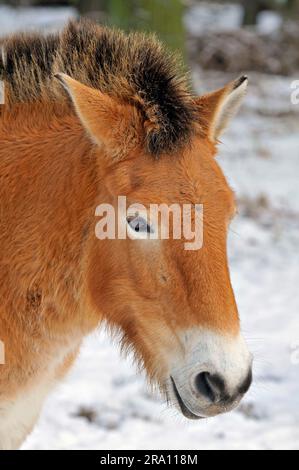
(107, 121)
(218, 108)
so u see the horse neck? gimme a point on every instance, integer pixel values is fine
(52, 167)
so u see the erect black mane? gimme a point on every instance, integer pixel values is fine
(134, 68)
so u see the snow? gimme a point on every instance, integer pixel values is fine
(105, 404)
(269, 22)
(206, 16)
(41, 18)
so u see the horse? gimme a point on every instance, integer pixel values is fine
(91, 114)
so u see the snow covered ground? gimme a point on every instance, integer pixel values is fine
(207, 16)
(104, 404)
(41, 18)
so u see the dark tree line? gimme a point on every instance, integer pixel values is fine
(165, 17)
(253, 7)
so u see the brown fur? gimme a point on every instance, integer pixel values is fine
(57, 281)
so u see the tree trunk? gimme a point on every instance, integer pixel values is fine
(121, 14)
(89, 6)
(251, 10)
(292, 6)
(165, 18)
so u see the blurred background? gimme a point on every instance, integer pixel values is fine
(104, 404)
(259, 29)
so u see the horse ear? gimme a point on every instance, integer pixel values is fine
(219, 107)
(106, 120)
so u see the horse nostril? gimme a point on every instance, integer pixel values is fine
(246, 384)
(209, 386)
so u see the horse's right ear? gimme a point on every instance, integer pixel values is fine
(106, 120)
(217, 109)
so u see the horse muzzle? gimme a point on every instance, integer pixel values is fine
(212, 376)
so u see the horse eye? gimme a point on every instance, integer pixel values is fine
(139, 224)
